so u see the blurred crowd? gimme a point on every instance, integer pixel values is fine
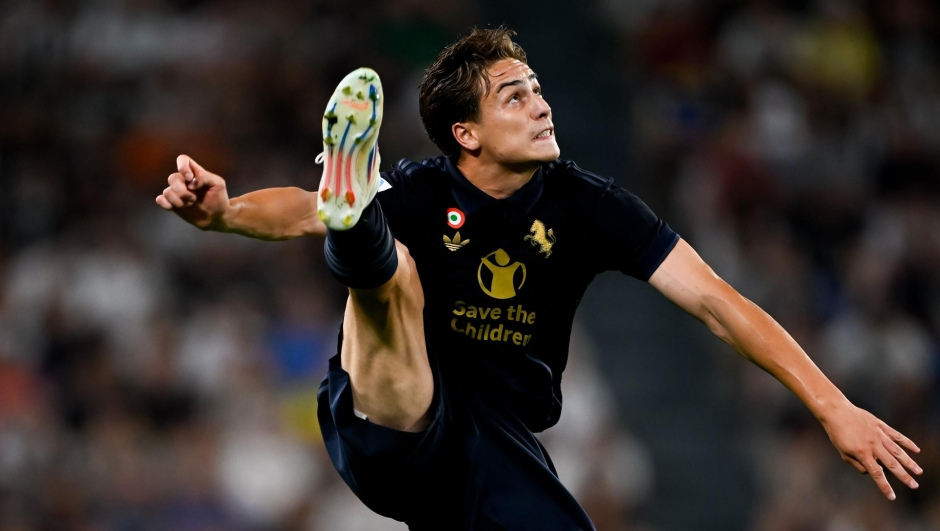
(155, 377)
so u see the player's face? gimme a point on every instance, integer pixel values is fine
(515, 125)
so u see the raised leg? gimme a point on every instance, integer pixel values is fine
(383, 349)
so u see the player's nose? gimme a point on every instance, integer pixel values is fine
(541, 109)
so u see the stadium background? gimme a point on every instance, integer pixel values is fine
(153, 377)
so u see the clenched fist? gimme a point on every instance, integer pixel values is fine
(196, 195)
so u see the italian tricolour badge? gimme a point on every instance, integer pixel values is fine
(455, 218)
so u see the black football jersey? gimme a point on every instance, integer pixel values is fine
(502, 278)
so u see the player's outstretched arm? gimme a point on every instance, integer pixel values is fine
(862, 439)
(201, 198)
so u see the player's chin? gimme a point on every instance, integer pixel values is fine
(547, 152)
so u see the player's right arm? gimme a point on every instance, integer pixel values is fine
(201, 198)
(863, 440)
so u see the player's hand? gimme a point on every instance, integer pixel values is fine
(196, 195)
(863, 440)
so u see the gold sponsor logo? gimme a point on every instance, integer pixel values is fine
(501, 276)
(485, 323)
(541, 238)
(456, 243)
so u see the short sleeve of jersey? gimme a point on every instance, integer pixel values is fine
(631, 238)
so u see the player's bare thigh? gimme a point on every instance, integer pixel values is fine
(384, 350)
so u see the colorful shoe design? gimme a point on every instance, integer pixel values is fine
(350, 154)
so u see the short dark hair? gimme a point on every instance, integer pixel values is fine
(454, 85)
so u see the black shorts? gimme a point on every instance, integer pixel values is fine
(476, 466)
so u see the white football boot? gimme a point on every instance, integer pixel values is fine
(350, 154)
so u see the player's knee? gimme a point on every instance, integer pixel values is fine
(405, 411)
(391, 390)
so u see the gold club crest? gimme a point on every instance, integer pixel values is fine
(541, 238)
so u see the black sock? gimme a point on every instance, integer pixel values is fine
(364, 256)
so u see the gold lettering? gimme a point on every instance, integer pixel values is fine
(496, 332)
(484, 331)
(477, 312)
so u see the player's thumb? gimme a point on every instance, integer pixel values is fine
(194, 174)
(188, 167)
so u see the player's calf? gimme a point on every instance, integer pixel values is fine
(384, 350)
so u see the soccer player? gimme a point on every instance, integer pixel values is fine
(464, 273)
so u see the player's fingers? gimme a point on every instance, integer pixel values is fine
(195, 165)
(901, 455)
(854, 462)
(194, 175)
(164, 204)
(194, 184)
(205, 179)
(878, 476)
(188, 167)
(896, 468)
(172, 198)
(183, 192)
(899, 438)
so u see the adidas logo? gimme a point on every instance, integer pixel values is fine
(456, 243)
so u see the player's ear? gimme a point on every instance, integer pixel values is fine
(465, 134)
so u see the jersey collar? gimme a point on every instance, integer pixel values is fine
(470, 198)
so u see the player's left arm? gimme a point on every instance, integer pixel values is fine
(862, 439)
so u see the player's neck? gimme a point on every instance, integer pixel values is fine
(496, 180)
